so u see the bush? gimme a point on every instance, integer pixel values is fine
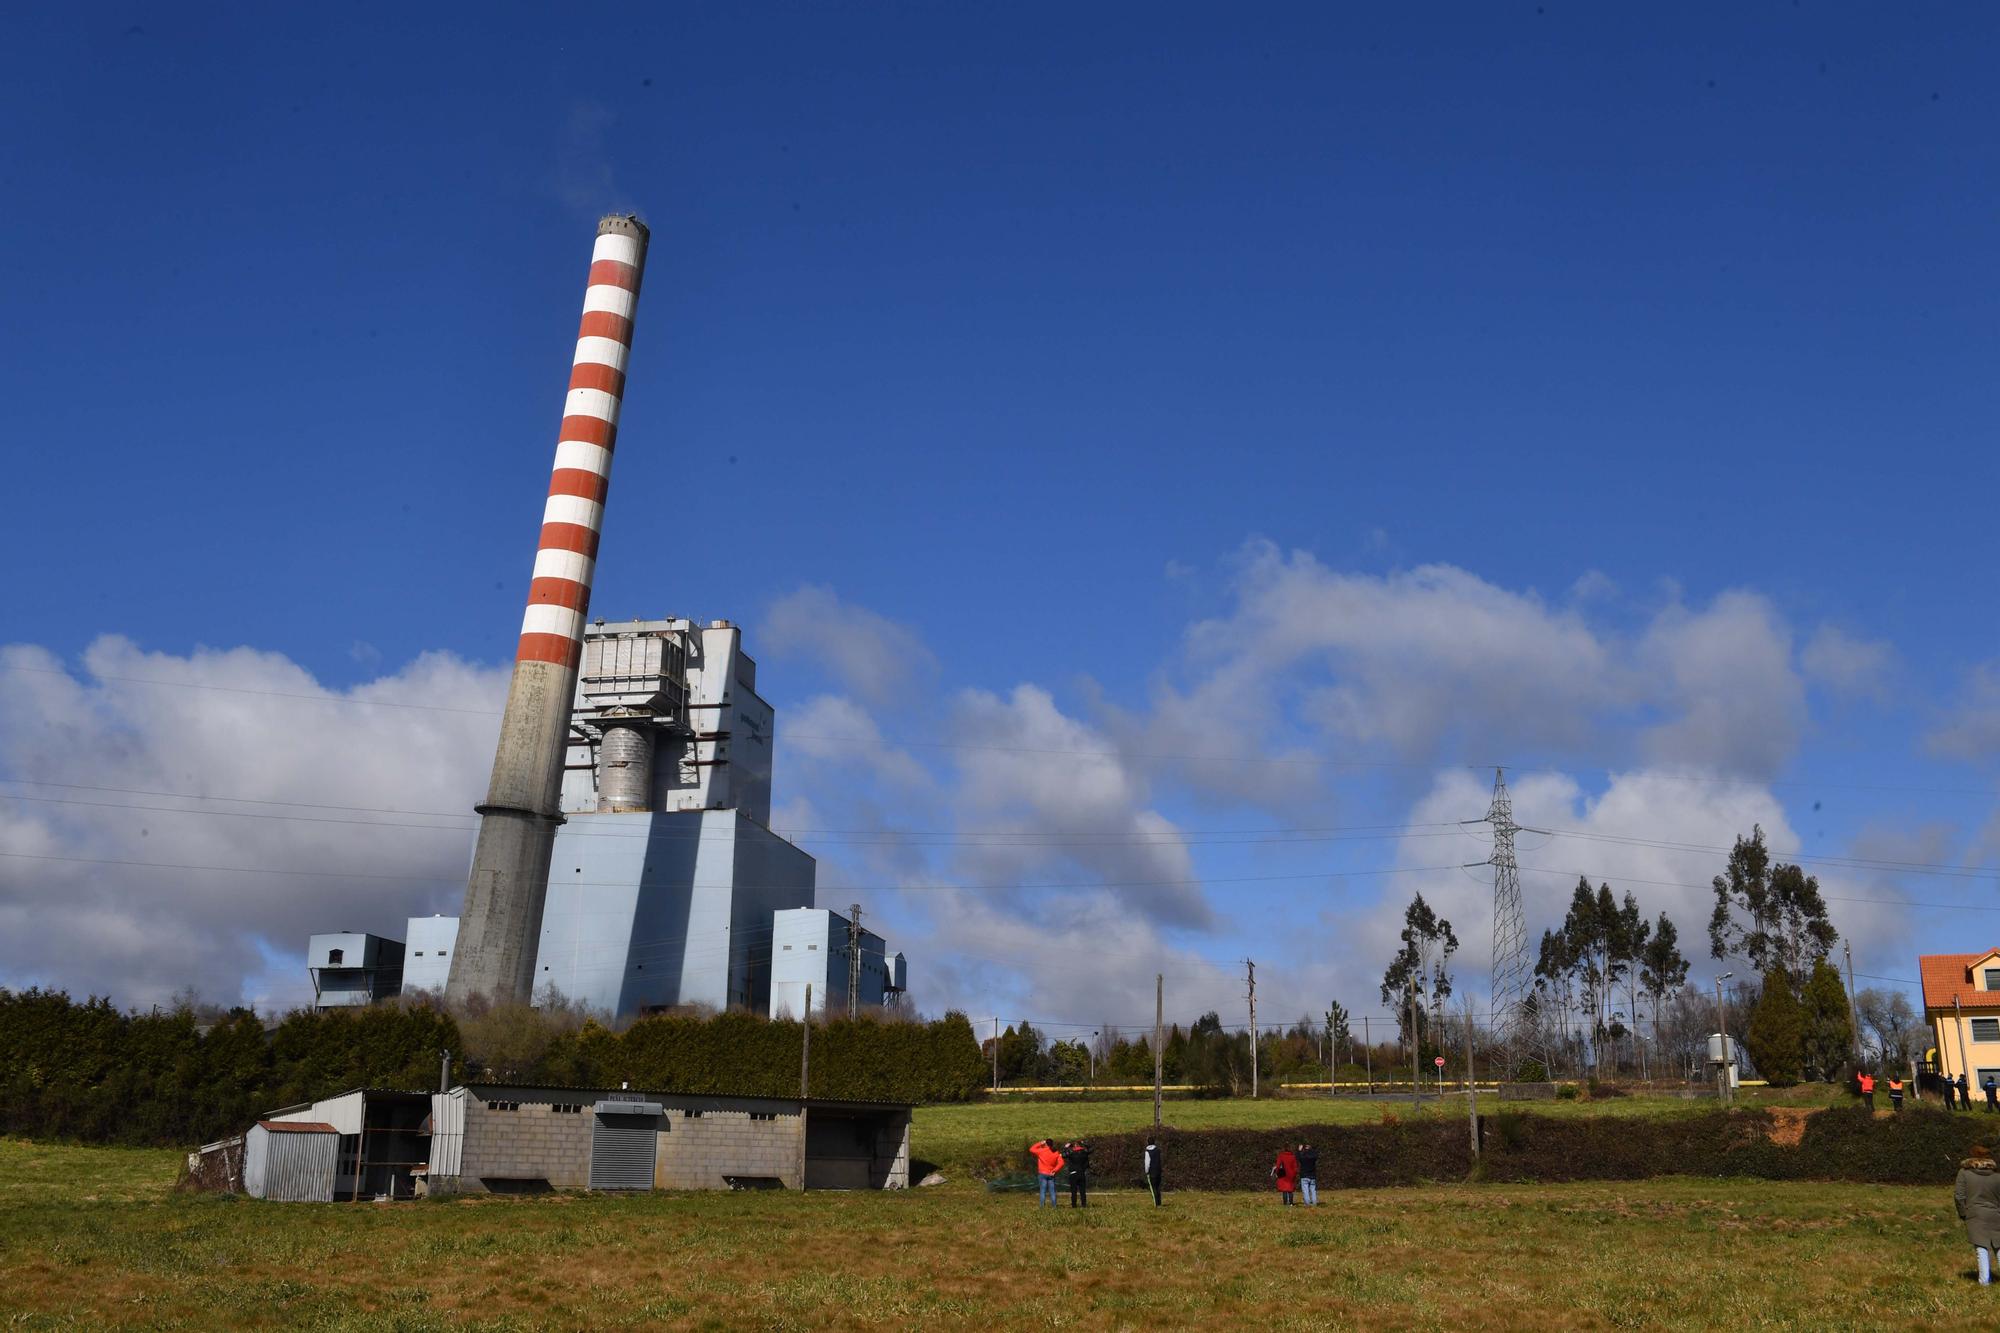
(1567, 1092)
(86, 1072)
(1917, 1148)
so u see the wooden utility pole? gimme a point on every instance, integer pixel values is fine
(1368, 1053)
(1853, 1022)
(1416, 1083)
(1471, 1087)
(1159, 1040)
(805, 1079)
(806, 1046)
(1333, 1055)
(996, 1054)
(1252, 973)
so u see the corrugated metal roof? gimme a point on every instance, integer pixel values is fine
(297, 1127)
(349, 1092)
(823, 1102)
(1947, 977)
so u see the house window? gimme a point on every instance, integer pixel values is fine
(503, 1106)
(763, 1115)
(1986, 1029)
(333, 956)
(420, 953)
(691, 1115)
(1993, 978)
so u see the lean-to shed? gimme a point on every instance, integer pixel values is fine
(290, 1160)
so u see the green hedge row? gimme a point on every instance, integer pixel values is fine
(742, 1055)
(84, 1071)
(1920, 1147)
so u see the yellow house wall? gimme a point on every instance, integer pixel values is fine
(1958, 1053)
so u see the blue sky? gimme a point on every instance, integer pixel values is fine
(1029, 343)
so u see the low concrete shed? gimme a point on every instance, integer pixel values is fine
(290, 1160)
(515, 1139)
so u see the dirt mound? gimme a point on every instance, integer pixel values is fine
(1788, 1124)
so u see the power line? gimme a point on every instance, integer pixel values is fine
(1109, 753)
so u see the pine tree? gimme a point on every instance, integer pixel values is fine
(1339, 1035)
(1829, 1030)
(1775, 1037)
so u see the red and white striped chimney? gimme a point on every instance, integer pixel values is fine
(498, 929)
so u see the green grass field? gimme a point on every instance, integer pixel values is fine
(93, 1237)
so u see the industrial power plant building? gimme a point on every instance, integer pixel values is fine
(666, 886)
(665, 873)
(813, 951)
(624, 857)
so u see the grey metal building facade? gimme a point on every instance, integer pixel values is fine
(517, 1139)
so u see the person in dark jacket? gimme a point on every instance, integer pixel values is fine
(1977, 1195)
(1308, 1175)
(1285, 1174)
(1152, 1166)
(1077, 1157)
(1964, 1094)
(1992, 1087)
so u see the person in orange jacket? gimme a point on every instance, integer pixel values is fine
(1895, 1093)
(1867, 1082)
(1048, 1164)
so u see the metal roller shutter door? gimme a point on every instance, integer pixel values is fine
(621, 1152)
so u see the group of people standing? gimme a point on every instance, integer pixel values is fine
(1051, 1162)
(1296, 1172)
(1958, 1095)
(1957, 1092)
(1074, 1157)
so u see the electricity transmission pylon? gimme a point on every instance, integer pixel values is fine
(1510, 928)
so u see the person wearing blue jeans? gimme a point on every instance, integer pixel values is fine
(1308, 1175)
(1977, 1195)
(1048, 1165)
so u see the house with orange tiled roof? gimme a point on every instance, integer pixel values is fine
(1962, 1006)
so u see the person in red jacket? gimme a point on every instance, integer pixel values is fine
(1048, 1164)
(1285, 1172)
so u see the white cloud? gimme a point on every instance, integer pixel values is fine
(1971, 729)
(92, 900)
(1846, 665)
(1726, 674)
(1662, 835)
(829, 730)
(1046, 791)
(870, 654)
(1436, 663)
(1082, 956)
